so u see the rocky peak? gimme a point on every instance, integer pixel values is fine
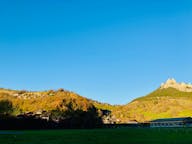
(179, 86)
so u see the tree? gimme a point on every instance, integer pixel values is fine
(6, 107)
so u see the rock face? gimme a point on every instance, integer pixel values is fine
(179, 86)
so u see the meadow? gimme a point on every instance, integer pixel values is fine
(99, 136)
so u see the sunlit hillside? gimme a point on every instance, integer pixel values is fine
(26, 101)
(162, 103)
(165, 102)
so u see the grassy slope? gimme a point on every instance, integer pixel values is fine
(102, 136)
(162, 103)
(169, 92)
(104, 106)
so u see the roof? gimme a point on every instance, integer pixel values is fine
(173, 119)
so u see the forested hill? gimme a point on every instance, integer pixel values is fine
(26, 101)
(47, 109)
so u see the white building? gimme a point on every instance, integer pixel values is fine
(172, 122)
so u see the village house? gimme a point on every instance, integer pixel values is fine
(172, 122)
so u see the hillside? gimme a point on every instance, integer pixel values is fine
(172, 99)
(26, 101)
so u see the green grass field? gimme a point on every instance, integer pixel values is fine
(100, 136)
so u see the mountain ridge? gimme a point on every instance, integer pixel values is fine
(171, 99)
(179, 86)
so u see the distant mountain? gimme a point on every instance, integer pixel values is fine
(179, 86)
(171, 99)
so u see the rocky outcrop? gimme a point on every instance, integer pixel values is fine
(179, 86)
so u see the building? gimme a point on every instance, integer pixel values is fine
(172, 122)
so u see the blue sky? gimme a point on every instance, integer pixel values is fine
(107, 50)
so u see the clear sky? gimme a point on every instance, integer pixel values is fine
(107, 50)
